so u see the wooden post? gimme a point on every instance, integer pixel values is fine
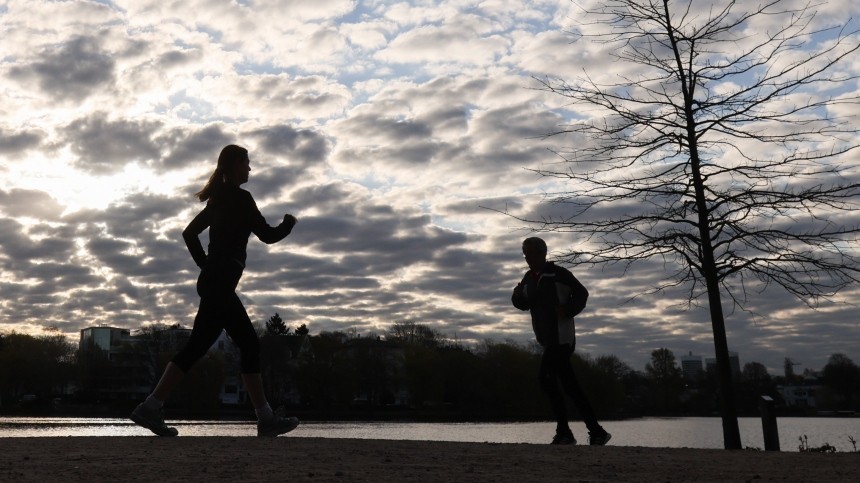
(768, 424)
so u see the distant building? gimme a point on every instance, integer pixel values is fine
(692, 368)
(131, 361)
(799, 396)
(734, 363)
(117, 371)
(107, 339)
(232, 391)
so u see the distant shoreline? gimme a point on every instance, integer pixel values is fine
(322, 459)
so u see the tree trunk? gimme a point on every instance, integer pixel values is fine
(731, 433)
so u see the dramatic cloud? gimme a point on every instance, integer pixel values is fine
(399, 133)
(17, 142)
(30, 203)
(70, 71)
(104, 146)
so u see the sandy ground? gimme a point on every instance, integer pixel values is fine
(346, 460)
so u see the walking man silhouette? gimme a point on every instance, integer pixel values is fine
(554, 296)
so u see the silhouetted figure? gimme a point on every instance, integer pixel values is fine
(554, 296)
(231, 215)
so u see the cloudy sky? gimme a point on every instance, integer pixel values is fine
(392, 130)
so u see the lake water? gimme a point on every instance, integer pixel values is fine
(648, 432)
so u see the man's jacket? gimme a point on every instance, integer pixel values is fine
(553, 296)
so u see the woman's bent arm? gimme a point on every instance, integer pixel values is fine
(191, 235)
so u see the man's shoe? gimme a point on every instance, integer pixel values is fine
(599, 439)
(564, 438)
(276, 426)
(152, 420)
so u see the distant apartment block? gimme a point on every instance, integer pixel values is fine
(691, 366)
(132, 360)
(117, 371)
(107, 339)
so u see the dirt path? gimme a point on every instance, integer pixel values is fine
(347, 460)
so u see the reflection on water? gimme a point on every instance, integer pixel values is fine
(61, 427)
(649, 432)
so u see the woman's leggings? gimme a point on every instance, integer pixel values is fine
(221, 309)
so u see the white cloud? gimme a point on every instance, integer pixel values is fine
(392, 130)
(458, 43)
(269, 98)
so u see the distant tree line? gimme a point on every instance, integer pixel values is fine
(410, 371)
(42, 365)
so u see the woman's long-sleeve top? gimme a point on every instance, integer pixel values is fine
(231, 216)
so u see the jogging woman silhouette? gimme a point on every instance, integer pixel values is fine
(231, 215)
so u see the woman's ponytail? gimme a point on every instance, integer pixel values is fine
(230, 155)
(215, 182)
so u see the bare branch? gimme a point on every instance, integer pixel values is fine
(725, 145)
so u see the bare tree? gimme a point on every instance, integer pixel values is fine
(722, 154)
(411, 332)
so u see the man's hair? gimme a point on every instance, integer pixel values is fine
(535, 242)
